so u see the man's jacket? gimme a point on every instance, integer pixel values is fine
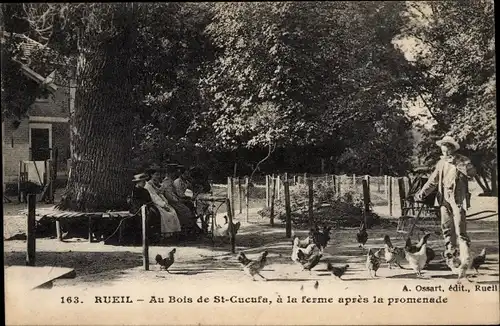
(460, 183)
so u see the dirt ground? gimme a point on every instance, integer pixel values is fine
(204, 270)
(97, 264)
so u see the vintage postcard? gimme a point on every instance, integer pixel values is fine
(250, 163)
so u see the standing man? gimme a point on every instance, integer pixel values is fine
(451, 178)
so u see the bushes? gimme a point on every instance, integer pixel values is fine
(329, 208)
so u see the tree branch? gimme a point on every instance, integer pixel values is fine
(270, 151)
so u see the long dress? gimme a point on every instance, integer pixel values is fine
(169, 220)
(185, 215)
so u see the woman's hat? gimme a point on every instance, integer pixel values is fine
(140, 177)
(448, 140)
(170, 166)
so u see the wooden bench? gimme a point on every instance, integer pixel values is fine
(52, 213)
(29, 277)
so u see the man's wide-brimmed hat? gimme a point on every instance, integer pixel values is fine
(140, 177)
(154, 168)
(448, 140)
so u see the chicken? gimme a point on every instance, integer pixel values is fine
(336, 271)
(415, 248)
(302, 243)
(372, 262)
(165, 263)
(417, 260)
(312, 262)
(479, 260)
(393, 255)
(252, 267)
(460, 265)
(320, 238)
(223, 231)
(301, 254)
(362, 235)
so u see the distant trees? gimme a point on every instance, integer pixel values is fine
(308, 74)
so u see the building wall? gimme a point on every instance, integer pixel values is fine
(16, 140)
(15, 148)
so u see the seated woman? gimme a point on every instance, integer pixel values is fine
(185, 215)
(140, 197)
(169, 220)
(180, 185)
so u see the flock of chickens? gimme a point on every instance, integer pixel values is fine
(417, 255)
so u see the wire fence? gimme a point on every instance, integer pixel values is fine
(384, 193)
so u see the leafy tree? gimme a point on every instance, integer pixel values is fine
(454, 73)
(303, 74)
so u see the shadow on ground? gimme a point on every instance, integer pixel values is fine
(203, 258)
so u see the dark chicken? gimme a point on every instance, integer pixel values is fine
(312, 262)
(372, 262)
(320, 238)
(252, 267)
(165, 263)
(362, 235)
(393, 255)
(479, 260)
(336, 271)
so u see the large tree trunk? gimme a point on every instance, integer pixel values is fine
(101, 129)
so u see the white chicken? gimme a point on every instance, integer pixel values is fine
(457, 265)
(418, 259)
(307, 251)
(221, 232)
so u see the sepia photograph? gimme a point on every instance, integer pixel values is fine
(250, 163)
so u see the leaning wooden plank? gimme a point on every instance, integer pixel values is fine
(28, 277)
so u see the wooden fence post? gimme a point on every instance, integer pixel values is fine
(279, 187)
(339, 184)
(240, 196)
(58, 230)
(354, 182)
(288, 210)
(386, 188)
(294, 180)
(273, 193)
(305, 178)
(366, 201)
(30, 231)
(247, 196)
(145, 240)
(233, 198)
(230, 192)
(389, 181)
(368, 195)
(311, 201)
(232, 236)
(402, 194)
(267, 191)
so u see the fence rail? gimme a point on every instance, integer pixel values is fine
(382, 194)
